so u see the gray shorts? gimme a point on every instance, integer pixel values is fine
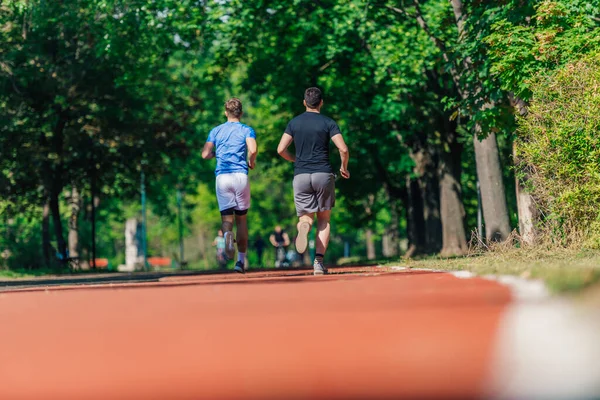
(314, 192)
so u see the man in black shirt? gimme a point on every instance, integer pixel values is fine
(314, 180)
(280, 240)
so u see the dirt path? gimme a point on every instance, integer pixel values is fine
(373, 334)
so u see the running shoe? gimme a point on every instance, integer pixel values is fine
(229, 245)
(302, 238)
(319, 268)
(239, 267)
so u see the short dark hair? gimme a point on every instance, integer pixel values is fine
(233, 107)
(313, 97)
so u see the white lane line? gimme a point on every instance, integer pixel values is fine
(522, 289)
(547, 350)
(462, 274)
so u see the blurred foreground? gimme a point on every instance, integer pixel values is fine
(358, 333)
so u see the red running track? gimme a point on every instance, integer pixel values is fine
(374, 334)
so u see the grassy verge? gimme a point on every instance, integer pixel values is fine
(45, 272)
(5, 274)
(562, 270)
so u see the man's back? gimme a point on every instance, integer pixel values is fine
(230, 147)
(314, 181)
(312, 132)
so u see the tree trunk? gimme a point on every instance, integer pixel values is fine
(451, 206)
(425, 169)
(58, 228)
(528, 213)
(430, 187)
(75, 203)
(46, 247)
(486, 150)
(133, 260)
(389, 244)
(489, 173)
(414, 218)
(457, 8)
(493, 197)
(452, 212)
(371, 255)
(54, 181)
(95, 204)
(390, 240)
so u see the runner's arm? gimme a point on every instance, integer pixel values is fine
(252, 151)
(208, 151)
(282, 149)
(338, 140)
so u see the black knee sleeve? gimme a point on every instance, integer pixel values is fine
(229, 211)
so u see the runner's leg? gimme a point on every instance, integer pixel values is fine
(306, 205)
(324, 231)
(227, 228)
(226, 223)
(241, 226)
(242, 198)
(226, 200)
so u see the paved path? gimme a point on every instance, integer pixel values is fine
(359, 333)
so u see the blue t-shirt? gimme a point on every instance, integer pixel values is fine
(230, 147)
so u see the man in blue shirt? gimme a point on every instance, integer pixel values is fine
(234, 146)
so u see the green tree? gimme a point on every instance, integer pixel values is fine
(93, 87)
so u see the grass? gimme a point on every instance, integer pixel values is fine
(45, 272)
(6, 274)
(562, 270)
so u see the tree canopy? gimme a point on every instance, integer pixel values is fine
(428, 94)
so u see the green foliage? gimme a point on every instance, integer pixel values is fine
(559, 147)
(560, 31)
(94, 89)
(20, 239)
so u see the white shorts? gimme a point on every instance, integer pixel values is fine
(233, 191)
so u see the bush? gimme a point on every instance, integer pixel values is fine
(559, 149)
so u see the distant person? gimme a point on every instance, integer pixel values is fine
(219, 242)
(234, 146)
(259, 246)
(280, 240)
(314, 180)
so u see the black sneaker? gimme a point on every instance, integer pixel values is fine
(239, 267)
(319, 268)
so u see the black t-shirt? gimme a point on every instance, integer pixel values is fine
(312, 132)
(279, 237)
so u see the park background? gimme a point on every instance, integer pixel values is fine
(435, 98)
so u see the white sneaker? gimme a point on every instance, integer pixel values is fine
(229, 245)
(319, 268)
(302, 238)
